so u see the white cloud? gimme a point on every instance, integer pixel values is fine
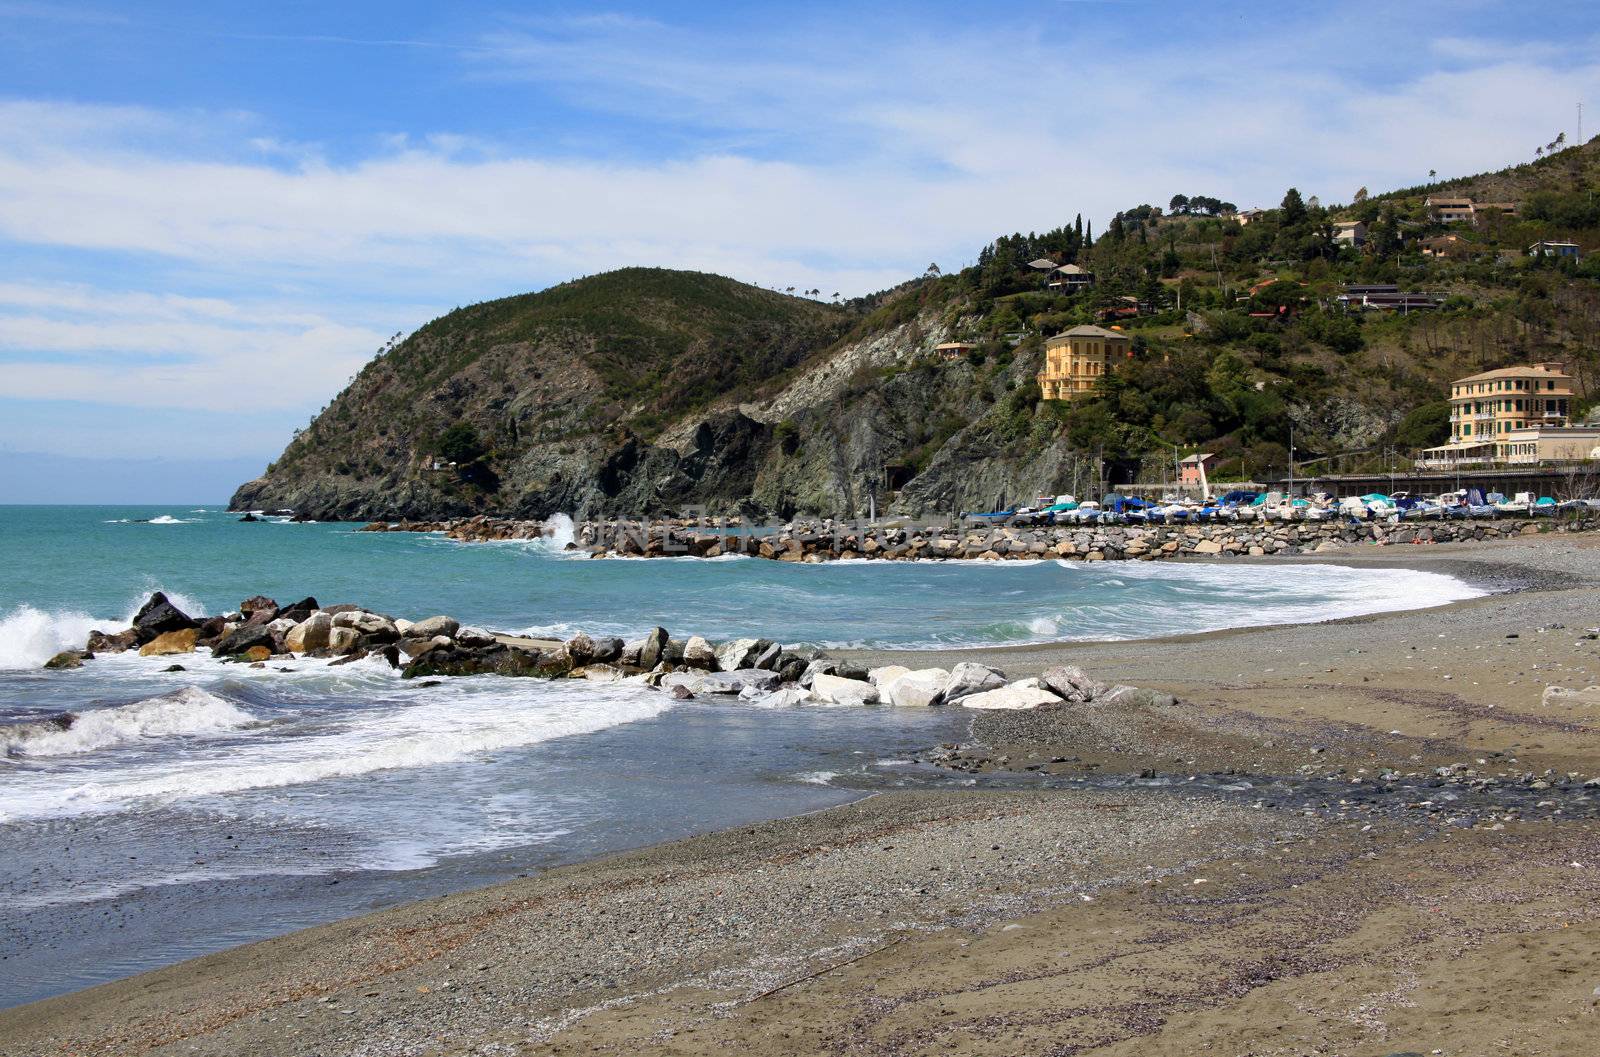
(141, 350)
(816, 159)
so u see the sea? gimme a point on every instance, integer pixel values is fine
(185, 812)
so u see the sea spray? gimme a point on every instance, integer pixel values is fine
(29, 636)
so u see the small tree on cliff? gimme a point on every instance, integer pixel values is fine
(460, 444)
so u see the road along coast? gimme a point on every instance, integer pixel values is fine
(1375, 835)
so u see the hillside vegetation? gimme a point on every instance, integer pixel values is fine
(645, 390)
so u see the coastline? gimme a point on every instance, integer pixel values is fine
(758, 907)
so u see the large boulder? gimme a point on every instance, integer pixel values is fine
(299, 611)
(170, 642)
(834, 690)
(428, 627)
(651, 649)
(1135, 696)
(343, 641)
(310, 634)
(789, 695)
(100, 642)
(740, 653)
(159, 616)
(917, 689)
(882, 677)
(1071, 683)
(607, 649)
(257, 603)
(68, 659)
(698, 653)
(969, 678)
(472, 637)
(1014, 696)
(243, 639)
(581, 649)
(769, 657)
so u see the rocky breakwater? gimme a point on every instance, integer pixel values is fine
(831, 540)
(750, 669)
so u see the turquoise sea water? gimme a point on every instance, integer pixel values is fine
(182, 812)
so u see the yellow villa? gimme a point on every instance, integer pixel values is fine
(1074, 362)
(1516, 415)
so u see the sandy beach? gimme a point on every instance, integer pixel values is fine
(1372, 836)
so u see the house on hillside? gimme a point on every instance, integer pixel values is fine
(1125, 307)
(1555, 249)
(1450, 210)
(1192, 467)
(1245, 217)
(954, 350)
(1070, 277)
(1076, 361)
(1351, 233)
(1386, 297)
(1451, 245)
(1482, 209)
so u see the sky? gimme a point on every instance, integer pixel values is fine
(211, 215)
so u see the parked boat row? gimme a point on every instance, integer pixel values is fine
(1116, 509)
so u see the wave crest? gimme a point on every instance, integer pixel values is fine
(183, 713)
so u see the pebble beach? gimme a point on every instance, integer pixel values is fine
(1370, 836)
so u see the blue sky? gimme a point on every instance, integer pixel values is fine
(212, 215)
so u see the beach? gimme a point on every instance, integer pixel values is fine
(1368, 836)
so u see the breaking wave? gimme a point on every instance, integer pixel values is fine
(186, 712)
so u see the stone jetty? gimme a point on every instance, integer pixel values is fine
(819, 541)
(760, 670)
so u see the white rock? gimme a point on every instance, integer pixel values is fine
(1017, 697)
(402, 625)
(1568, 696)
(739, 653)
(830, 689)
(310, 634)
(465, 636)
(343, 640)
(917, 689)
(789, 695)
(428, 627)
(969, 678)
(698, 653)
(882, 677)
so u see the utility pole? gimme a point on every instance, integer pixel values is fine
(1291, 458)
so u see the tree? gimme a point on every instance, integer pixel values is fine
(1294, 208)
(1179, 204)
(933, 271)
(460, 443)
(1361, 196)
(1432, 173)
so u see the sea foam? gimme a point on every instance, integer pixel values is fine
(190, 711)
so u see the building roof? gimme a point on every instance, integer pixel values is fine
(1351, 224)
(1543, 370)
(1071, 269)
(1044, 264)
(1087, 330)
(955, 345)
(1553, 242)
(1196, 459)
(1449, 203)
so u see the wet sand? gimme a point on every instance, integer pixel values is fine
(1453, 913)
